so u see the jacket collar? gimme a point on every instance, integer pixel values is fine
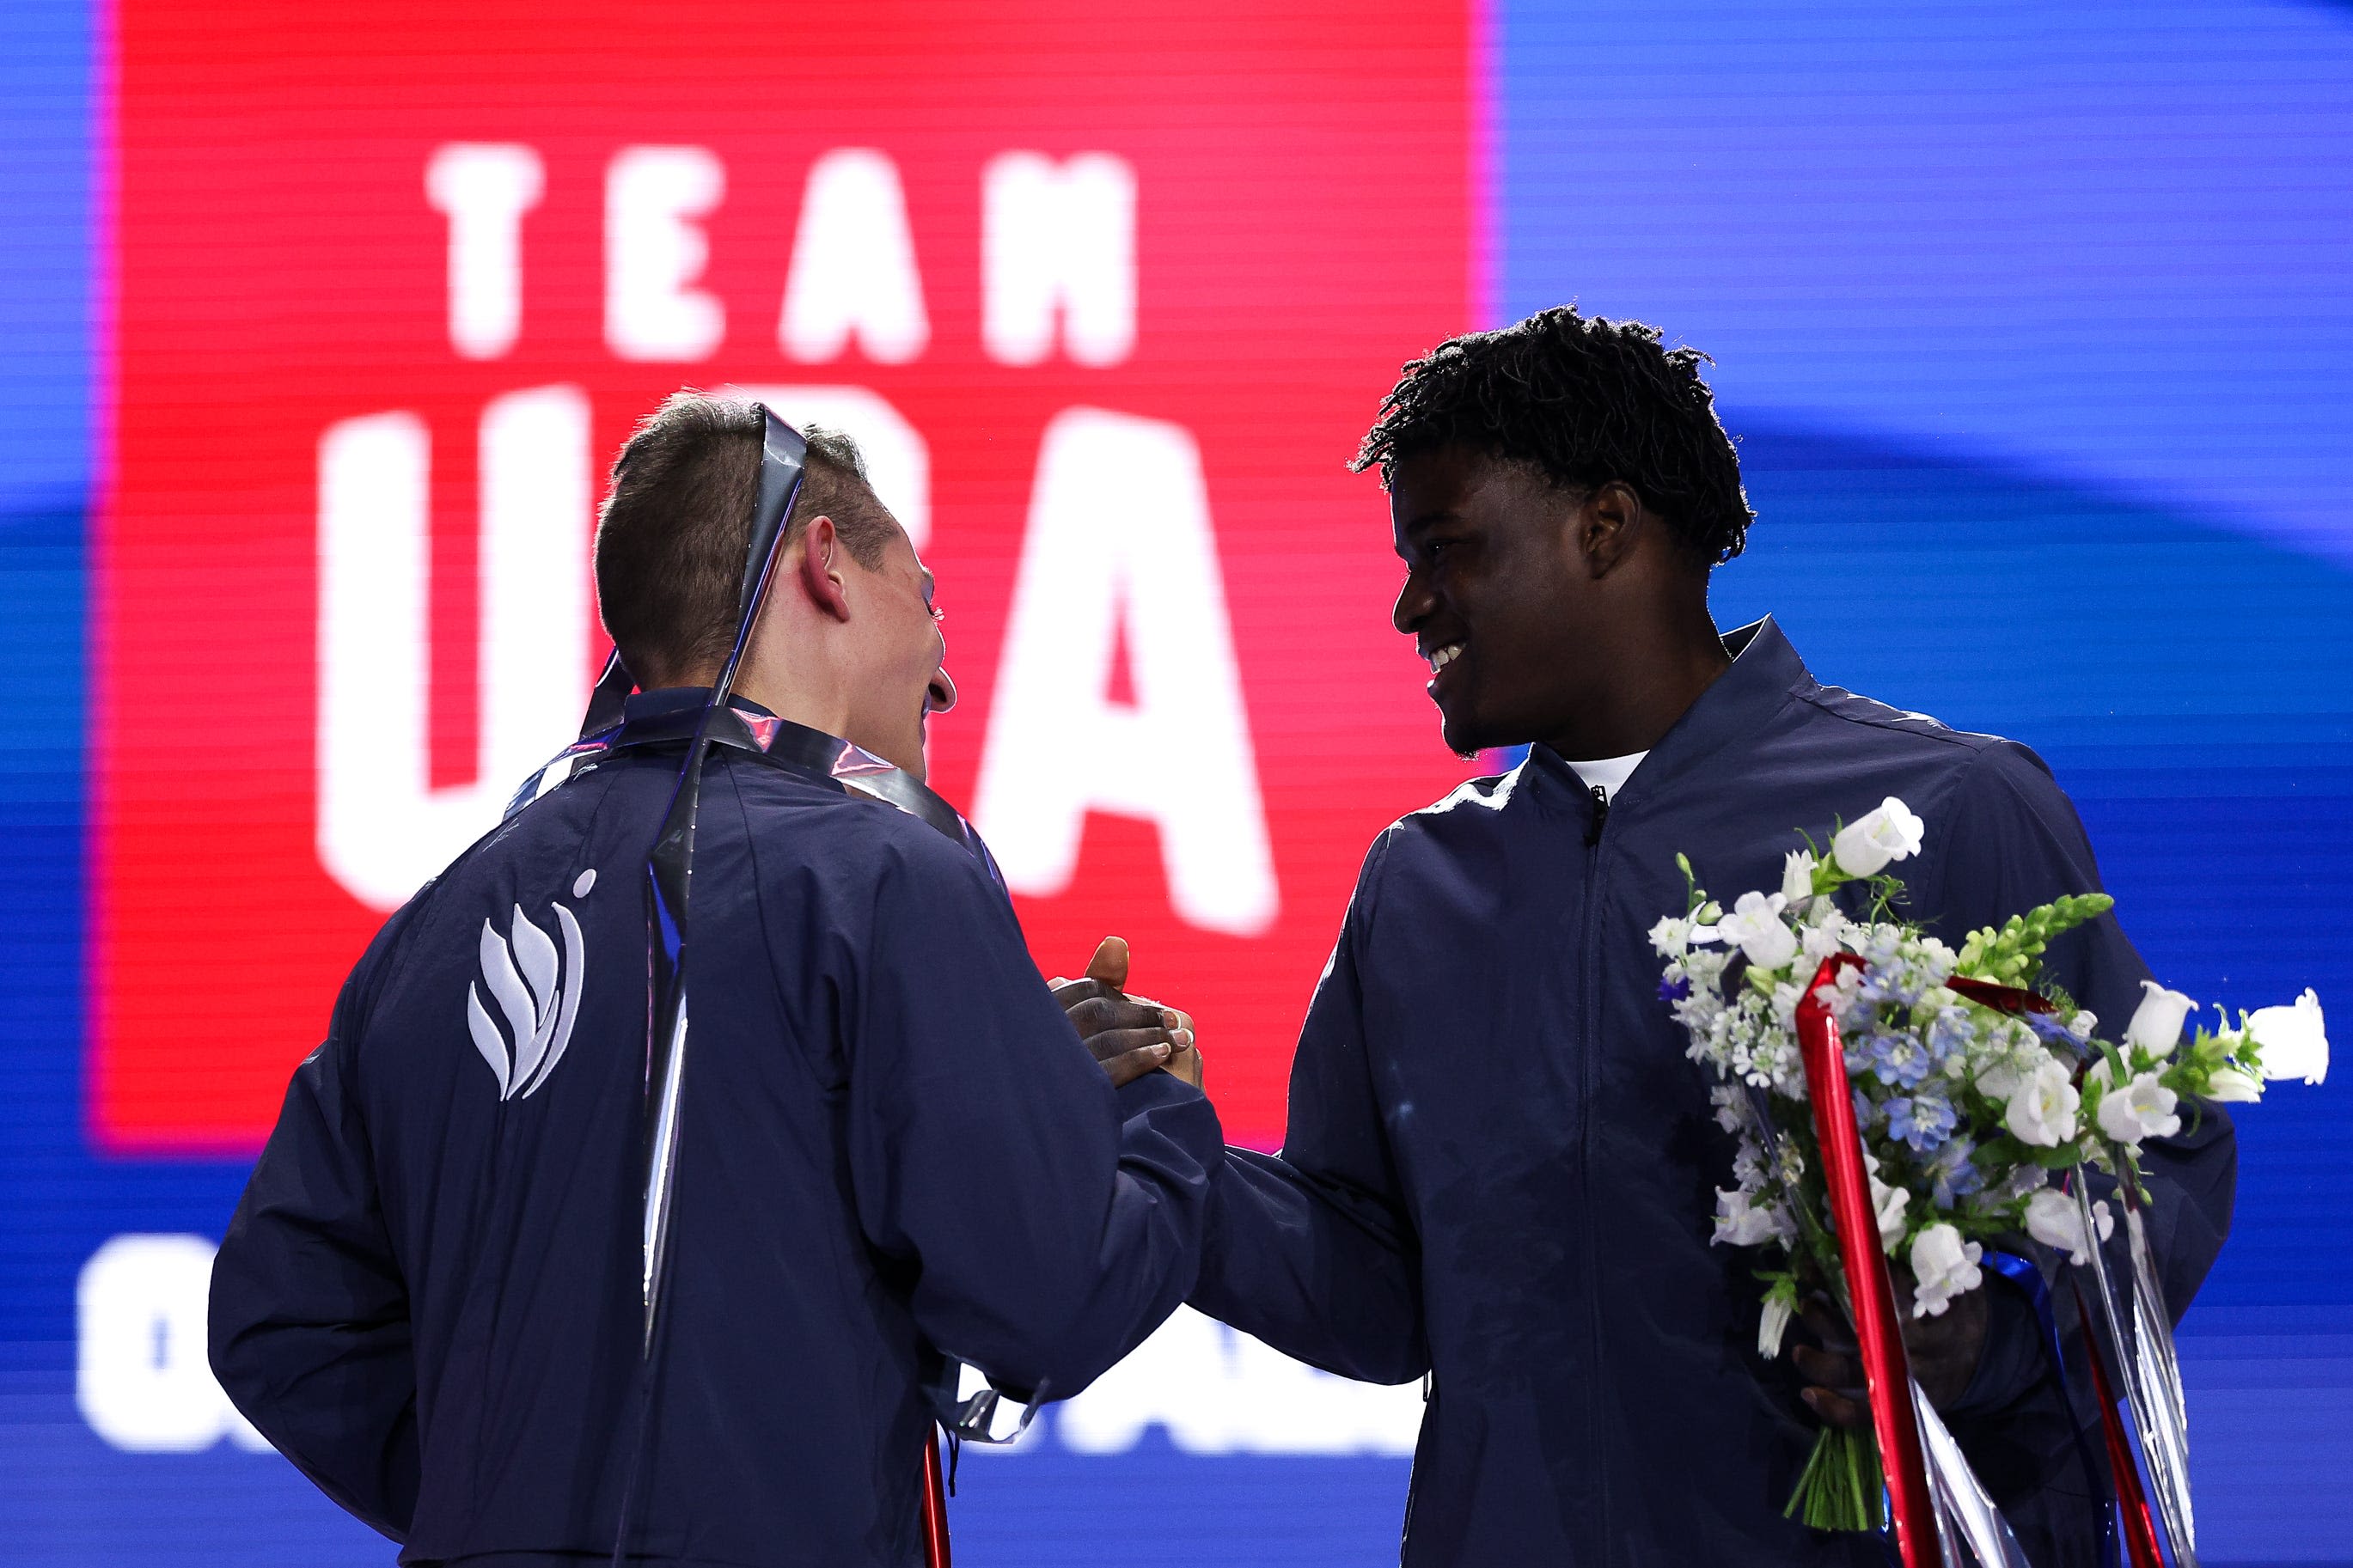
(664, 700)
(1765, 670)
(667, 716)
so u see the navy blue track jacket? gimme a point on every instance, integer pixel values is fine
(1501, 1166)
(891, 1137)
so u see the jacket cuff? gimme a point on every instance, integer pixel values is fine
(1167, 1121)
(2013, 1360)
(1155, 1089)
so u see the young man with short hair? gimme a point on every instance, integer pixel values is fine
(893, 1142)
(1501, 1165)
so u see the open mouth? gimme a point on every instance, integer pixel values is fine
(1441, 658)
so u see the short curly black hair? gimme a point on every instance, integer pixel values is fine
(1584, 400)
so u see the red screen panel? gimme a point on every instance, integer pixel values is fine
(1108, 294)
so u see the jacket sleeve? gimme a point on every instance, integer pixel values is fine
(1052, 1222)
(2016, 842)
(1311, 1249)
(310, 1331)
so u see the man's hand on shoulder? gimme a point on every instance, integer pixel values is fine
(1130, 1036)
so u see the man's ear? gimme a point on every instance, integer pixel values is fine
(1608, 520)
(818, 560)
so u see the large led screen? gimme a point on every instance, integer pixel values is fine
(1105, 294)
(319, 327)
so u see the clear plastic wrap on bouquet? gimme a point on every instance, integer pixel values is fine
(1895, 1098)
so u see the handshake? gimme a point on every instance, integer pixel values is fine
(1129, 1036)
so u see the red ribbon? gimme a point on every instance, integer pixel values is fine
(1879, 1335)
(2132, 1502)
(2000, 998)
(935, 1504)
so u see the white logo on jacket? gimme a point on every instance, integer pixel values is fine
(538, 997)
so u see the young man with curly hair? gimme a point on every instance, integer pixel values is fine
(1500, 1168)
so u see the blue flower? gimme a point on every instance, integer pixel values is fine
(1923, 1121)
(1952, 1174)
(1673, 990)
(1950, 1035)
(1897, 1059)
(1885, 981)
(2050, 1028)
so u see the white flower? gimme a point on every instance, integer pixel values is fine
(1890, 1203)
(2081, 1025)
(2053, 1219)
(2141, 1109)
(1748, 1165)
(2295, 1039)
(2234, 1086)
(1999, 1079)
(1943, 1266)
(2042, 1107)
(2156, 1025)
(1823, 934)
(1755, 925)
(1863, 848)
(1739, 1222)
(1798, 875)
(1773, 1325)
(1670, 938)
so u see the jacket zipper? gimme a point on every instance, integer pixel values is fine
(1589, 978)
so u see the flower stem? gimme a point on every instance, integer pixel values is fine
(1840, 1487)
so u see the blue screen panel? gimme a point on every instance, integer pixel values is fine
(2033, 328)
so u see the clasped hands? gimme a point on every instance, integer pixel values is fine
(1129, 1036)
(1943, 1351)
(1132, 1036)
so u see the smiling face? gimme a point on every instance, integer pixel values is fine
(900, 679)
(1498, 595)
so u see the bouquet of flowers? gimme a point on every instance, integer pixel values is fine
(1975, 1088)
